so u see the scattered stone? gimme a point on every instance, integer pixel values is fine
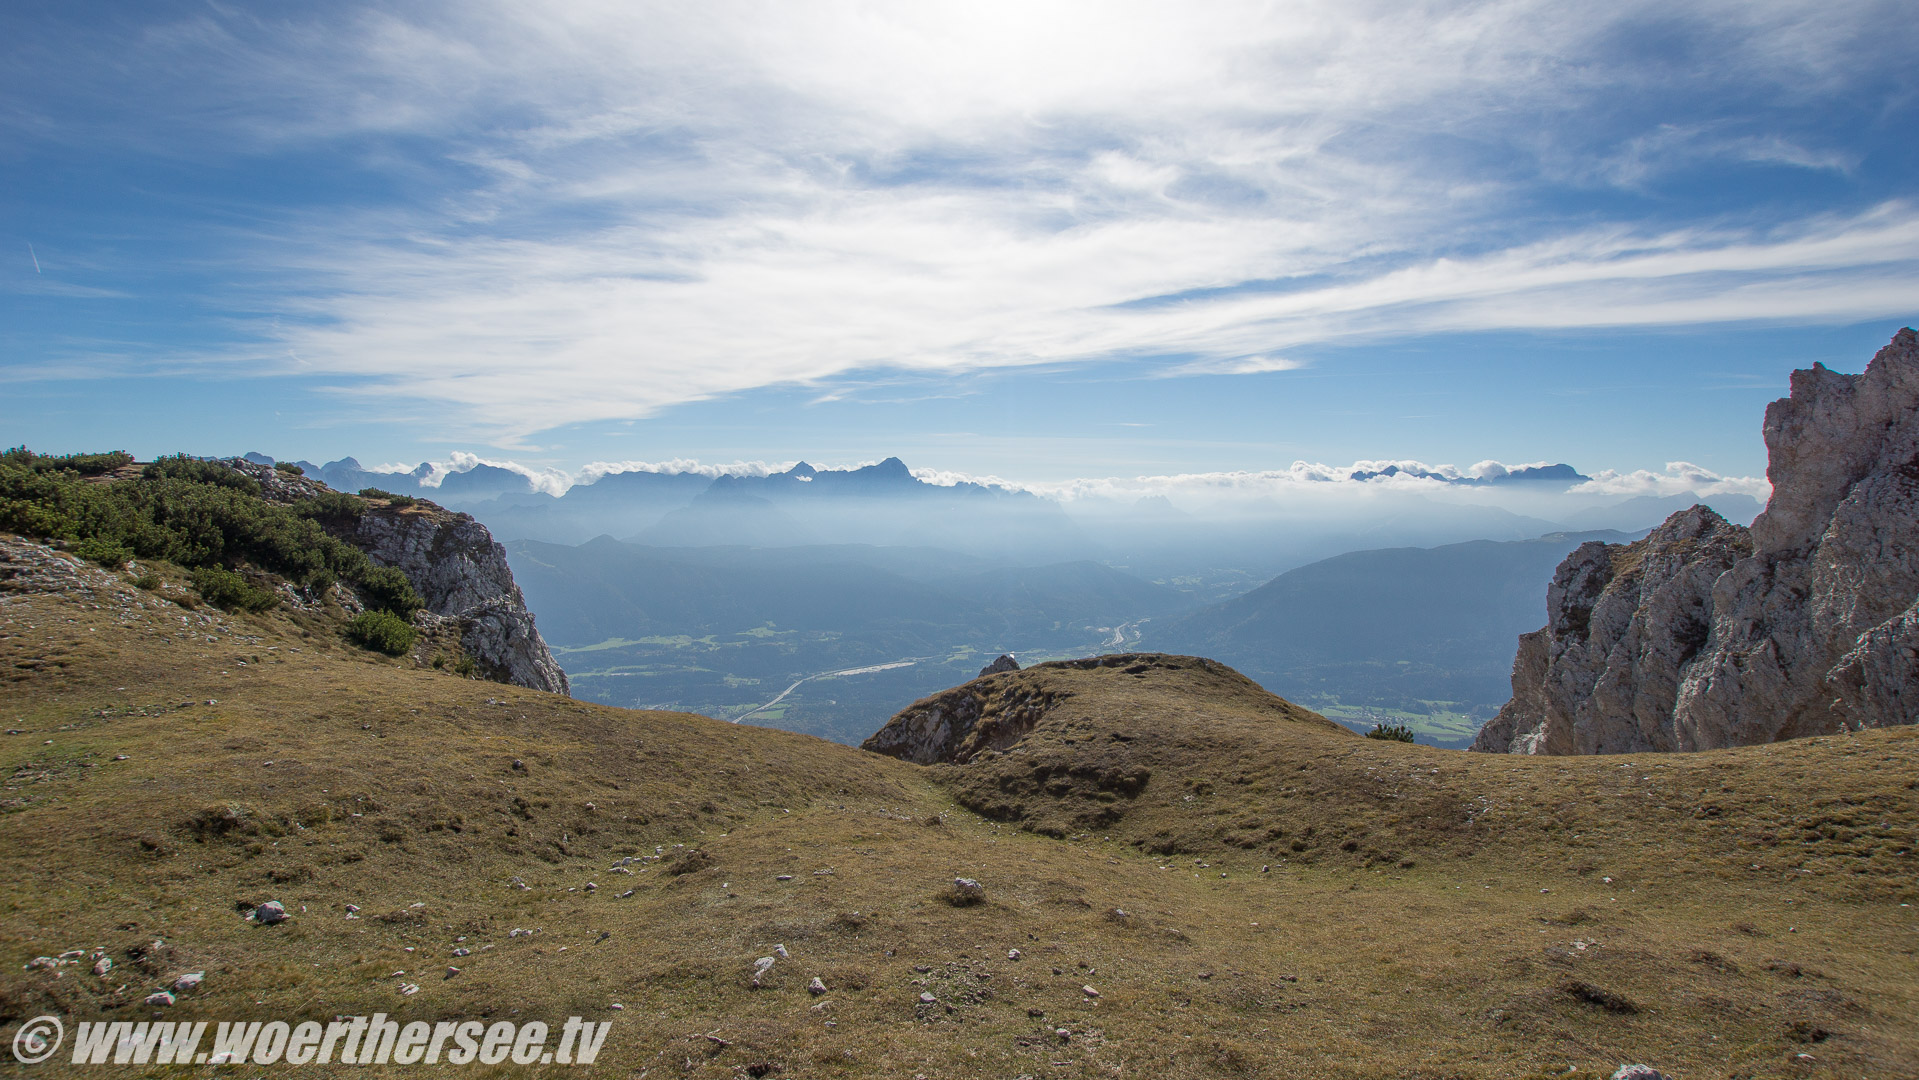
(780, 951)
(760, 967)
(269, 913)
(1062, 1034)
(452, 971)
(627, 893)
(590, 886)
(353, 909)
(409, 989)
(1639, 1072)
(783, 877)
(103, 966)
(189, 981)
(1013, 954)
(927, 998)
(966, 892)
(42, 962)
(161, 998)
(462, 952)
(616, 1006)
(816, 987)
(1089, 991)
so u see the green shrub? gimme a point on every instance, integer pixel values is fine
(465, 666)
(289, 468)
(149, 582)
(83, 464)
(229, 591)
(182, 467)
(383, 631)
(386, 588)
(105, 552)
(398, 502)
(1391, 732)
(195, 514)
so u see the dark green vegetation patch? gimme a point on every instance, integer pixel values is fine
(196, 514)
(384, 631)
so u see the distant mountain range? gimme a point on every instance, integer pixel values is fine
(1400, 630)
(1562, 475)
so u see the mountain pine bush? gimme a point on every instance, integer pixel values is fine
(195, 514)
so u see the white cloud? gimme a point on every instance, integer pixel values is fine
(1242, 365)
(596, 469)
(630, 206)
(1679, 476)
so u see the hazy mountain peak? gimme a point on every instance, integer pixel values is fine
(890, 469)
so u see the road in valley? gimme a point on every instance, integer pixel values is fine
(909, 662)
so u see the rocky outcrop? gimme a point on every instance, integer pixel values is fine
(460, 571)
(1005, 662)
(456, 567)
(1627, 620)
(1706, 635)
(989, 713)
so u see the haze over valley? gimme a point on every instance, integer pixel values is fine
(817, 599)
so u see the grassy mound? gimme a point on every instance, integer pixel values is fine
(1714, 914)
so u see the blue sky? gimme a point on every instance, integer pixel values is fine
(1025, 240)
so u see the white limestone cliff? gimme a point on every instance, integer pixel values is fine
(1706, 635)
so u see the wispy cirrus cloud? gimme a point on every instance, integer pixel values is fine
(599, 211)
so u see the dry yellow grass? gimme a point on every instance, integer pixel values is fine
(1469, 931)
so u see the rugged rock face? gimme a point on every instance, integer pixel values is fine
(1005, 662)
(456, 567)
(989, 713)
(460, 571)
(1626, 621)
(1705, 635)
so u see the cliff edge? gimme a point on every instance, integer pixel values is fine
(455, 565)
(1706, 635)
